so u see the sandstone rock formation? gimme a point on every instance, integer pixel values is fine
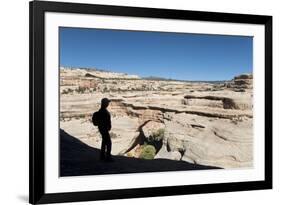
(201, 123)
(241, 82)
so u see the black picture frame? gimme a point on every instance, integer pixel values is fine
(37, 9)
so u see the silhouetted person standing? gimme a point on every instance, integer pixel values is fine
(104, 126)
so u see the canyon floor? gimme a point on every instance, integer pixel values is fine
(157, 124)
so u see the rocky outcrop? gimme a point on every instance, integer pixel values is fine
(152, 127)
(241, 82)
(202, 123)
(124, 132)
(164, 154)
(241, 102)
(78, 158)
(204, 141)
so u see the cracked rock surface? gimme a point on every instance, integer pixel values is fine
(202, 123)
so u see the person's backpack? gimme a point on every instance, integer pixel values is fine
(95, 118)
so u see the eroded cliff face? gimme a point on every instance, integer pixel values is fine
(202, 123)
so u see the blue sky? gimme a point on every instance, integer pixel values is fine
(170, 55)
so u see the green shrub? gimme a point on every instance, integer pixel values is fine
(64, 92)
(81, 89)
(68, 90)
(147, 152)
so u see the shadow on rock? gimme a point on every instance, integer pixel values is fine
(77, 158)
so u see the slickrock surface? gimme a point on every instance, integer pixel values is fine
(77, 159)
(200, 122)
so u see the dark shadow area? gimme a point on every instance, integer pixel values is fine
(77, 158)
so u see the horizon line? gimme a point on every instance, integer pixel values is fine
(143, 77)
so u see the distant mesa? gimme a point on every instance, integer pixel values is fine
(241, 82)
(96, 73)
(244, 76)
(106, 74)
(156, 78)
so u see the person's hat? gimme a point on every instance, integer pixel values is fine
(105, 100)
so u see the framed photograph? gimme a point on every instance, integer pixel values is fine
(140, 102)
